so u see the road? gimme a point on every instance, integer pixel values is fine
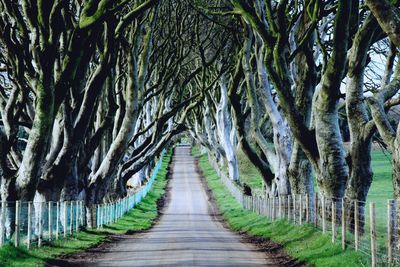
(187, 233)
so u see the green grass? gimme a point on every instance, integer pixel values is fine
(140, 218)
(382, 188)
(248, 173)
(301, 242)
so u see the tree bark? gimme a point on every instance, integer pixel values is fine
(224, 129)
(38, 141)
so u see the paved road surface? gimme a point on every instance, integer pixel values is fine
(187, 234)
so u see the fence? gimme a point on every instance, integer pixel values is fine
(35, 223)
(370, 228)
(108, 213)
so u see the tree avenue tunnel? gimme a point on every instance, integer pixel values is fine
(297, 93)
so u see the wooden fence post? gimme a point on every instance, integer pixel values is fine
(2, 222)
(294, 208)
(344, 226)
(118, 209)
(104, 215)
(373, 234)
(323, 214)
(307, 209)
(82, 213)
(391, 230)
(71, 217)
(108, 213)
(248, 205)
(258, 202)
(273, 208)
(316, 210)
(76, 216)
(280, 206)
(301, 209)
(288, 207)
(17, 204)
(356, 226)
(40, 224)
(65, 219)
(58, 220)
(269, 207)
(50, 221)
(98, 216)
(264, 206)
(267, 211)
(113, 212)
(28, 241)
(100, 206)
(101, 215)
(333, 221)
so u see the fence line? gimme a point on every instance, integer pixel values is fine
(109, 213)
(27, 223)
(353, 224)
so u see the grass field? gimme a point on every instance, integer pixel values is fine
(140, 218)
(301, 242)
(380, 191)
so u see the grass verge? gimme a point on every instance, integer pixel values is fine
(142, 217)
(301, 242)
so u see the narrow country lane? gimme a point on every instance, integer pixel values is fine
(187, 234)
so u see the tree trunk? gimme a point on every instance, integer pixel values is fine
(38, 141)
(300, 172)
(282, 137)
(304, 67)
(240, 127)
(333, 171)
(361, 130)
(224, 129)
